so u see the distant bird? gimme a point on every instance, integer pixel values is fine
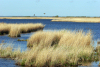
(44, 13)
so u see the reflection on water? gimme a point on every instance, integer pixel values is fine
(50, 26)
(7, 63)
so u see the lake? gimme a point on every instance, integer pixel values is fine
(48, 26)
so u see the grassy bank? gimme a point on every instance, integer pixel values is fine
(30, 17)
(14, 30)
(63, 19)
(53, 56)
(60, 38)
(89, 20)
(52, 49)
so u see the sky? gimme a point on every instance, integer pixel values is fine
(50, 7)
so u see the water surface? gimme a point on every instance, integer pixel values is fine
(94, 27)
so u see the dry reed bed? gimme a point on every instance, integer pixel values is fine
(53, 49)
(60, 38)
(49, 56)
(14, 30)
(4, 28)
(65, 19)
(77, 19)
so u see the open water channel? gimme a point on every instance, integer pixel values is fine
(49, 26)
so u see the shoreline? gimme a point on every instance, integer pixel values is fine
(31, 17)
(61, 19)
(87, 20)
(15, 30)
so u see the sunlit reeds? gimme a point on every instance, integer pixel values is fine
(76, 38)
(14, 32)
(50, 56)
(45, 38)
(4, 28)
(60, 38)
(54, 49)
(20, 28)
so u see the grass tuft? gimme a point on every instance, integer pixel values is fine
(14, 30)
(43, 53)
(60, 38)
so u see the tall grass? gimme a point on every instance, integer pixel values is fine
(14, 32)
(60, 38)
(4, 28)
(29, 27)
(20, 28)
(50, 56)
(45, 38)
(76, 38)
(54, 49)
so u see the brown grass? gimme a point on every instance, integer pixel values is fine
(76, 38)
(66, 19)
(87, 20)
(60, 38)
(49, 50)
(4, 28)
(14, 30)
(49, 56)
(45, 38)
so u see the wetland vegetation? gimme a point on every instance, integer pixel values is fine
(52, 48)
(57, 48)
(14, 30)
(62, 19)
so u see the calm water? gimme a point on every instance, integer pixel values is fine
(48, 26)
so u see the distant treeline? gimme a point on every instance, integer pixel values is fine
(53, 16)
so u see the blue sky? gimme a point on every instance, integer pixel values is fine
(50, 7)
